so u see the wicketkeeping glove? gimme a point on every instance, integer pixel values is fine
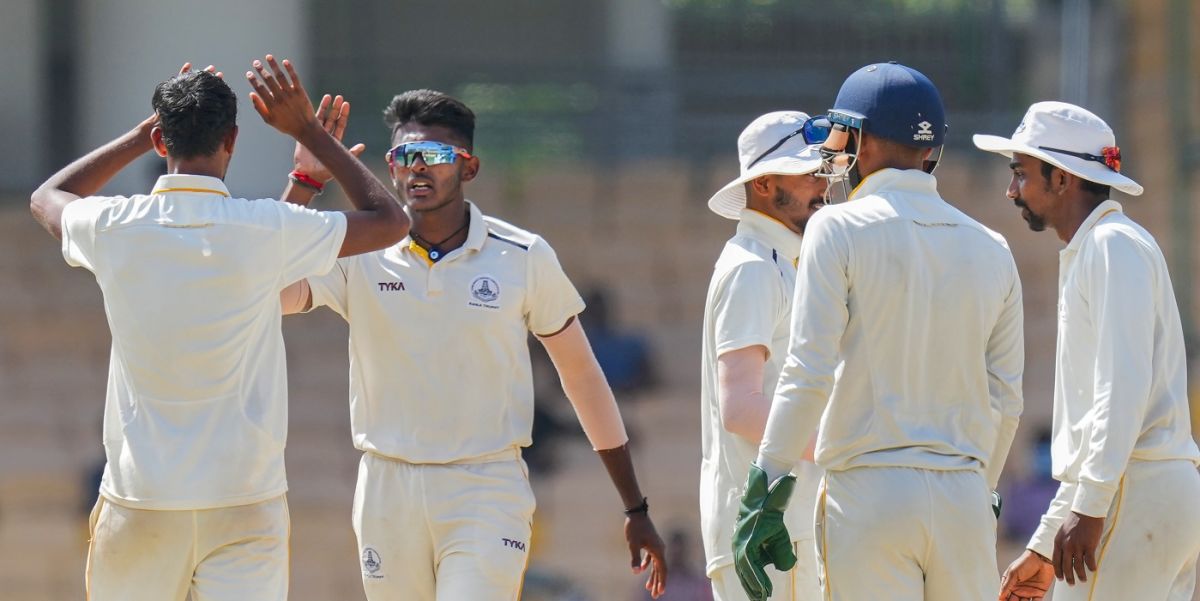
(996, 503)
(760, 537)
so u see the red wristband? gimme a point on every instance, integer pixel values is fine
(305, 179)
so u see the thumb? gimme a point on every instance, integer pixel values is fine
(635, 558)
(358, 149)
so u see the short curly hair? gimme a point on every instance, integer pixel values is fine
(196, 110)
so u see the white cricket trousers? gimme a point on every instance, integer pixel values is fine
(226, 554)
(1151, 538)
(454, 532)
(904, 534)
(798, 584)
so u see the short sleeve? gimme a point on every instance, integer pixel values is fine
(329, 289)
(79, 231)
(311, 240)
(746, 307)
(551, 298)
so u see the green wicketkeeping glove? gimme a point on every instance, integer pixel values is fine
(760, 538)
(996, 503)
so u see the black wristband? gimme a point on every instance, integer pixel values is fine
(643, 508)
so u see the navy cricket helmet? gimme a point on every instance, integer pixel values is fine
(894, 102)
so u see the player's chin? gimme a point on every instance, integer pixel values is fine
(424, 203)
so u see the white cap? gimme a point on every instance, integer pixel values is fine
(1058, 132)
(758, 157)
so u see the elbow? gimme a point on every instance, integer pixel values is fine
(737, 422)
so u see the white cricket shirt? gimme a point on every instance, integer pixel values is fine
(1120, 383)
(922, 305)
(439, 352)
(196, 411)
(749, 304)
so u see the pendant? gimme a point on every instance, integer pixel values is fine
(435, 255)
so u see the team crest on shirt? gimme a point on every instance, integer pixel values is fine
(372, 564)
(485, 291)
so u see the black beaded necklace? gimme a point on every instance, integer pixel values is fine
(435, 248)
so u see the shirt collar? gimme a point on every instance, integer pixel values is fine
(1100, 212)
(192, 184)
(912, 180)
(770, 231)
(478, 230)
(477, 233)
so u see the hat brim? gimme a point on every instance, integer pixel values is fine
(1089, 170)
(729, 201)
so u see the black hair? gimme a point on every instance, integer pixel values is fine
(196, 110)
(429, 107)
(1100, 190)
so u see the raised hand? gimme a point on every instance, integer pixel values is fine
(333, 113)
(280, 98)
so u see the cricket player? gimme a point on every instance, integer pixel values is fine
(746, 326)
(909, 312)
(441, 392)
(195, 421)
(1125, 523)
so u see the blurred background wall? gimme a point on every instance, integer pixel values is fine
(603, 125)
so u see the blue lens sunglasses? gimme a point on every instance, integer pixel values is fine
(813, 131)
(432, 153)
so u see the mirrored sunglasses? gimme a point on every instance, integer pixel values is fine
(432, 153)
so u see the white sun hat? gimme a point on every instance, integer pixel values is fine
(1069, 137)
(771, 144)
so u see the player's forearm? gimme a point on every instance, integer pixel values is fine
(87, 175)
(586, 387)
(746, 415)
(297, 194)
(619, 464)
(744, 407)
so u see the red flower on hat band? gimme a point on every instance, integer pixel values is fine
(1112, 157)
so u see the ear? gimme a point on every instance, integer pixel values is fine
(763, 185)
(470, 169)
(230, 139)
(1062, 180)
(156, 138)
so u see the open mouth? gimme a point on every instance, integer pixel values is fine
(420, 188)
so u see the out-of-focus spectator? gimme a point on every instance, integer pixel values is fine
(624, 357)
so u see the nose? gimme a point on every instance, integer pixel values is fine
(1012, 191)
(418, 164)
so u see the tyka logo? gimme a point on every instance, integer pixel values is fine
(513, 544)
(371, 563)
(924, 131)
(391, 286)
